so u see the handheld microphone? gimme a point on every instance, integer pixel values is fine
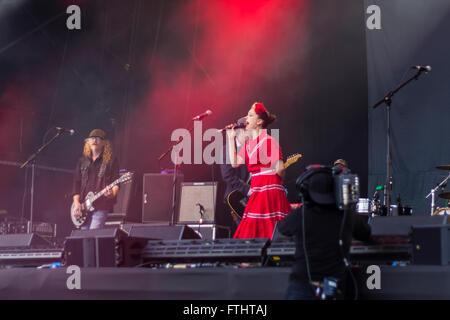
(70, 131)
(422, 68)
(202, 115)
(237, 126)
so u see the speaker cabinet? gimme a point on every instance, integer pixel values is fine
(277, 235)
(94, 248)
(402, 225)
(431, 245)
(157, 197)
(281, 250)
(198, 201)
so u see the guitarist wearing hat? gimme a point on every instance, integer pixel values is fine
(94, 171)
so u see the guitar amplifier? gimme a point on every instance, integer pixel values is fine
(198, 201)
(158, 196)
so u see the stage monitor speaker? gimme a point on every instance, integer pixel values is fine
(402, 225)
(277, 235)
(22, 240)
(157, 205)
(162, 232)
(198, 201)
(94, 248)
(430, 245)
(211, 231)
(281, 250)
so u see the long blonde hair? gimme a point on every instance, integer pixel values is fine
(107, 151)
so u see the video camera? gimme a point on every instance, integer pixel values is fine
(346, 186)
(335, 186)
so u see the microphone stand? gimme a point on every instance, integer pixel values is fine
(201, 210)
(387, 100)
(174, 180)
(433, 193)
(33, 165)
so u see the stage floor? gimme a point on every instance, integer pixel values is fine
(220, 283)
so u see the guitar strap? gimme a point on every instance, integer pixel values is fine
(101, 173)
(84, 174)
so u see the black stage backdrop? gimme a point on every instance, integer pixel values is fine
(412, 32)
(140, 69)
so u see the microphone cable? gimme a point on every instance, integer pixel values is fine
(341, 249)
(305, 252)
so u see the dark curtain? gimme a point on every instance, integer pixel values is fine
(413, 32)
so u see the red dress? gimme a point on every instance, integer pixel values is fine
(268, 202)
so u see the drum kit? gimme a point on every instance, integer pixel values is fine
(443, 195)
(374, 207)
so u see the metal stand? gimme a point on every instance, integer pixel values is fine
(33, 165)
(174, 193)
(433, 194)
(175, 169)
(174, 183)
(387, 100)
(388, 185)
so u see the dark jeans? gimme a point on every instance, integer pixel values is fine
(299, 291)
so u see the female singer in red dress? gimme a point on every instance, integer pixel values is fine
(262, 155)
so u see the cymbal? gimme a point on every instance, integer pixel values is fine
(447, 167)
(445, 195)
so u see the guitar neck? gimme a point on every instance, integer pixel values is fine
(291, 160)
(288, 163)
(101, 193)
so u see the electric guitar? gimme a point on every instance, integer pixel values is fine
(238, 201)
(87, 205)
